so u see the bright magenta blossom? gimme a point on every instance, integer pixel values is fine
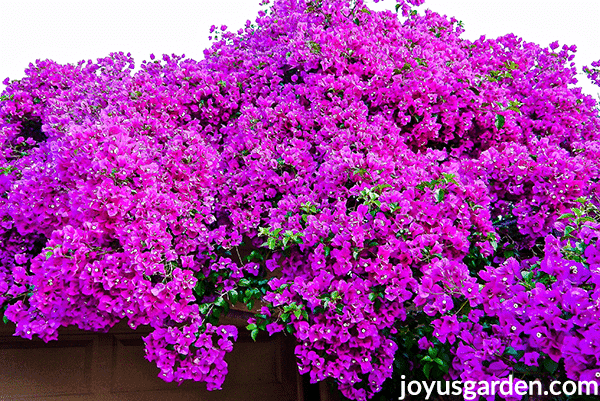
(399, 198)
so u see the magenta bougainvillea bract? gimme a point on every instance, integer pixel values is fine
(395, 197)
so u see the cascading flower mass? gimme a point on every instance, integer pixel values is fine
(399, 199)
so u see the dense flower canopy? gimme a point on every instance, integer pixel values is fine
(371, 179)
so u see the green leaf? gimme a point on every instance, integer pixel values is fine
(550, 365)
(438, 361)
(527, 275)
(440, 194)
(233, 296)
(200, 288)
(566, 215)
(204, 308)
(49, 254)
(520, 367)
(500, 120)
(427, 370)
(254, 255)
(377, 304)
(251, 326)
(432, 352)
(216, 313)
(244, 282)
(253, 334)
(220, 302)
(569, 230)
(449, 177)
(4, 319)
(510, 351)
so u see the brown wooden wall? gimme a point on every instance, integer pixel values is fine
(87, 366)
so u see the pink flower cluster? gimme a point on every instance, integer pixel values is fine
(359, 173)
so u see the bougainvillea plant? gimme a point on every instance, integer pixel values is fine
(397, 198)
